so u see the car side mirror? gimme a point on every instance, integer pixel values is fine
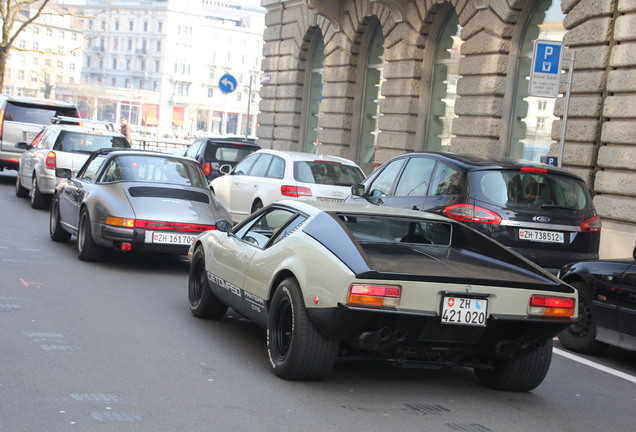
(63, 173)
(225, 169)
(23, 145)
(223, 225)
(357, 190)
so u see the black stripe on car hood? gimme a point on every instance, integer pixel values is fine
(161, 192)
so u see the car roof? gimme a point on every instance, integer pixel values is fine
(232, 141)
(83, 129)
(30, 100)
(139, 152)
(476, 162)
(302, 156)
(315, 207)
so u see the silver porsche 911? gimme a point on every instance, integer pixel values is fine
(131, 200)
(336, 280)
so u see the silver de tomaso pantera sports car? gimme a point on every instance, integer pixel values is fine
(329, 280)
(131, 200)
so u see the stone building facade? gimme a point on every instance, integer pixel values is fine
(371, 79)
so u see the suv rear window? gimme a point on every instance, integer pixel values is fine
(332, 173)
(35, 114)
(87, 142)
(520, 190)
(216, 153)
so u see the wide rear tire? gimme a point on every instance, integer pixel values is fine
(297, 350)
(87, 249)
(581, 336)
(203, 302)
(56, 231)
(519, 374)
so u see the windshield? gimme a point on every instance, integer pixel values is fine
(331, 173)
(524, 190)
(87, 142)
(154, 169)
(385, 229)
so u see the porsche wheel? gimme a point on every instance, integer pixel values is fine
(519, 374)
(581, 336)
(38, 199)
(297, 350)
(20, 191)
(56, 231)
(87, 249)
(203, 302)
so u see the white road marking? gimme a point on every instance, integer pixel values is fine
(589, 363)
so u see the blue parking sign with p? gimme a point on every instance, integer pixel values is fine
(547, 58)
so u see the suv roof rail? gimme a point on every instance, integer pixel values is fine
(80, 121)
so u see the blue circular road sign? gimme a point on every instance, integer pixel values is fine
(227, 83)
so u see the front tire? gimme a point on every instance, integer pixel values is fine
(297, 350)
(203, 302)
(518, 374)
(38, 199)
(56, 231)
(20, 191)
(87, 249)
(581, 336)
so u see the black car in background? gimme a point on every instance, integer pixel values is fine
(542, 212)
(211, 153)
(607, 305)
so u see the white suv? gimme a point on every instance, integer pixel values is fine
(57, 152)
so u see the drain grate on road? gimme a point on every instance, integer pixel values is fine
(425, 409)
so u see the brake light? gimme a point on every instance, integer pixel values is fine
(295, 191)
(552, 306)
(157, 225)
(374, 295)
(471, 213)
(534, 170)
(1, 121)
(592, 224)
(207, 168)
(50, 160)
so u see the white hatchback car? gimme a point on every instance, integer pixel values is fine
(59, 151)
(267, 176)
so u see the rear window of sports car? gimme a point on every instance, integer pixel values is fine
(383, 229)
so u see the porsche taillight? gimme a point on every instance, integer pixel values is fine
(374, 295)
(541, 305)
(157, 225)
(50, 160)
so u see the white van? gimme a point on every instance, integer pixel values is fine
(21, 119)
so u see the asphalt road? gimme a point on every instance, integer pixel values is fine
(112, 346)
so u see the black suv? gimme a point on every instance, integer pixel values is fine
(211, 153)
(542, 212)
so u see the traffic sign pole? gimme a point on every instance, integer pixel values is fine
(566, 107)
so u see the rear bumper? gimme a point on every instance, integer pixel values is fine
(114, 237)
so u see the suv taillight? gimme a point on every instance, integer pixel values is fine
(1, 121)
(471, 213)
(592, 224)
(207, 168)
(50, 160)
(294, 191)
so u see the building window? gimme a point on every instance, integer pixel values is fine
(158, 49)
(313, 93)
(131, 25)
(444, 84)
(159, 27)
(371, 95)
(145, 26)
(113, 82)
(116, 25)
(544, 21)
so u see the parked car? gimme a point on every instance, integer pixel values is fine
(131, 200)
(335, 279)
(267, 176)
(21, 119)
(58, 150)
(540, 211)
(211, 153)
(607, 305)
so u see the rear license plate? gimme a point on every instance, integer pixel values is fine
(464, 311)
(541, 236)
(170, 238)
(325, 199)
